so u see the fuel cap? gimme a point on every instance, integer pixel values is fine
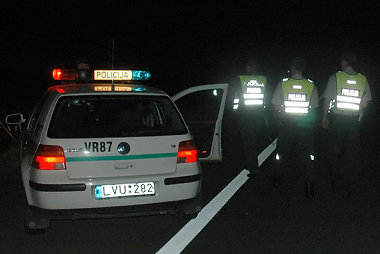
(123, 148)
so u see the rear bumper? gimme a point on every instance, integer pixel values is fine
(189, 206)
(81, 195)
(82, 186)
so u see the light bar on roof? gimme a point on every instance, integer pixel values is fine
(121, 75)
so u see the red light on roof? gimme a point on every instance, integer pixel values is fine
(59, 74)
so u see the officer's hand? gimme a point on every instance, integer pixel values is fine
(325, 123)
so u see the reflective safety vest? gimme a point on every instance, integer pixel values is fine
(349, 90)
(253, 88)
(297, 95)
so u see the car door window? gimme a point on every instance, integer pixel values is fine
(33, 122)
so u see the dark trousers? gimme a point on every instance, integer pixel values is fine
(299, 140)
(252, 133)
(343, 150)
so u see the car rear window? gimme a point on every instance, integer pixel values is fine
(99, 116)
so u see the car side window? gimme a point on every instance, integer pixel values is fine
(33, 126)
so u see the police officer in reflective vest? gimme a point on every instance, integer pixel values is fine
(249, 104)
(295, 99)
(346, 96)
(252, 88)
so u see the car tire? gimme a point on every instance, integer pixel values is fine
(32, 231)
(192, 209)
(35, 223)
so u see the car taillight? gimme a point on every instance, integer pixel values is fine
(187, 152)
(49, 158)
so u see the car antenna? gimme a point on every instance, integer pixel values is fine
(113, 63)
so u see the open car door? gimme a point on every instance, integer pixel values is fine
(203, 108)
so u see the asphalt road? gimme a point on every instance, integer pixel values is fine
(257, 219)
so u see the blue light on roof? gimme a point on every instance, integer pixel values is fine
(139, 89)
(141, 75)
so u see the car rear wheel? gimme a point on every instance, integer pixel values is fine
(32, 231)
(192, 209)
(35, 222)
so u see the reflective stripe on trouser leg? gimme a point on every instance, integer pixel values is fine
(308, 169)
(278, 170)
(284, 144)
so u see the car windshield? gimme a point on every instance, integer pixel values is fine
(98, 116)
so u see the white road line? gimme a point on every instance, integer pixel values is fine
(267, 151)
(183, 237)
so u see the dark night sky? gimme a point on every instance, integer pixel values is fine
(183, 43)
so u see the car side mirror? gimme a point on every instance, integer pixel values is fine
(15, 118)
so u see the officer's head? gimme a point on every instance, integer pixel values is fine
(348, 59)
(251, 65)
(297, 65)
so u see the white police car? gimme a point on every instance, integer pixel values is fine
(92, 146)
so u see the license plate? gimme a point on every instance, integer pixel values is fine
(124, 190)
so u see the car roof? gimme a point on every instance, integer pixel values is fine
(86, 88)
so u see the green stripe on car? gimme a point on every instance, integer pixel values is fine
(125, 157)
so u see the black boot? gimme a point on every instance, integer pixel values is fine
(309, 190)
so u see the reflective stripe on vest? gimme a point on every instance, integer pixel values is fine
(236, 102)
(349, 90)
(297, 95)
(253, 88)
